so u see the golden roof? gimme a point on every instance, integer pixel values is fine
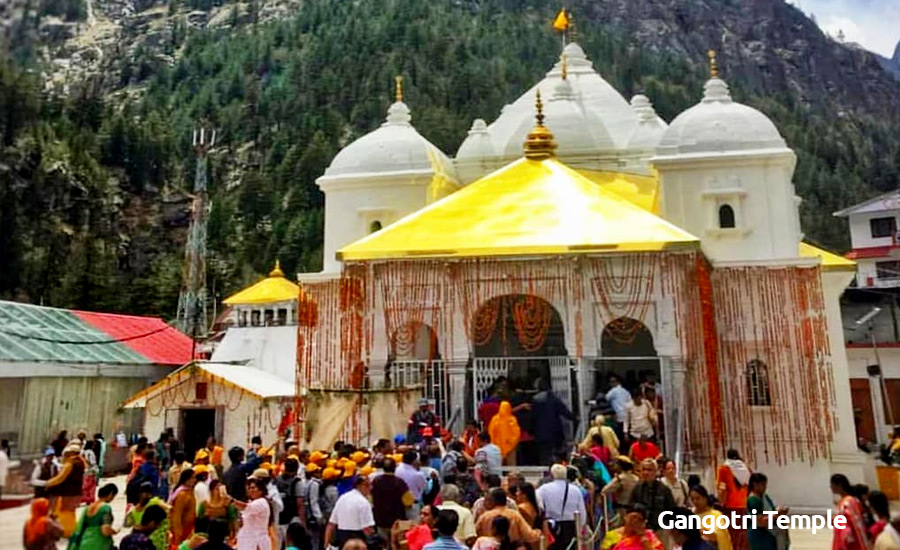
(274, 288)
(637, 189)
(830, 260)
(529, 207)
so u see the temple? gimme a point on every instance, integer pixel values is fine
(575, 237)
(578, 236)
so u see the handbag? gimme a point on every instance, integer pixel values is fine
(555, 527)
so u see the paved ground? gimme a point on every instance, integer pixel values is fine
(11, 522)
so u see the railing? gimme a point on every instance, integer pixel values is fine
(431, 377)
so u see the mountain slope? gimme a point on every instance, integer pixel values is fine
(94, 179)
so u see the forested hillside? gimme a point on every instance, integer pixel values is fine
(95, 176)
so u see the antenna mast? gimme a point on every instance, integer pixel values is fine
(192, 301)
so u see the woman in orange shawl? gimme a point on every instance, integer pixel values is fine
(504, 429)
(41, 531)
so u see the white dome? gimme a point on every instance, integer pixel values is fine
(717, 125)
(395, 147)
(478, 144)
(576, 131)
(476, 155)
(601, 104)
(650, 127)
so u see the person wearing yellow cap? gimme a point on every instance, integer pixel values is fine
(202, 458)
(622, 485)
(201, 486)
(319, 458)
(312, 493)
(289, 486)
(359, 457)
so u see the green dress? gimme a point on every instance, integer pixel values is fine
(159, 537)
(88, 534)
(760, 538)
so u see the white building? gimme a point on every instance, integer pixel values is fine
(874, 240)
(871, 318)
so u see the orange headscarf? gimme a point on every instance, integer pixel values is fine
(504, 429)
(36, 525)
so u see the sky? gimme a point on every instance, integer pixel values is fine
(873, 23)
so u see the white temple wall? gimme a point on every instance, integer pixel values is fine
(759, 191)
(353, 206)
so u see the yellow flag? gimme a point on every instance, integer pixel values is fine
(561, 23)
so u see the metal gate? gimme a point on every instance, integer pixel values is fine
(486, 369)
(431, 376)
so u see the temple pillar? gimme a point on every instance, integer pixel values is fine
(381, 349)
(456, 380)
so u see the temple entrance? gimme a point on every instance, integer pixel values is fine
(199, 425)
(520, 350)
(627, 351)
(415, 361)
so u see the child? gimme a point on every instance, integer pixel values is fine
(297, 538)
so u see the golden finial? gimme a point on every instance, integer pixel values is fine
(565, 70)
(398, 88)
(277, 272)
(539, 144)
(713, 66)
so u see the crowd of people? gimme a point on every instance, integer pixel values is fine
(423, 490)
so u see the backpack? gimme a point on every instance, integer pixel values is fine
(287, 488)
(305, 492)
(449, 464)
(133, 489)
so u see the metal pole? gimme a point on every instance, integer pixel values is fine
(579, 534)
(542, 545)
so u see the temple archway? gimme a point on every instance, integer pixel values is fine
(626, 350)
(518, 325)
(519, 349)
(414, 342)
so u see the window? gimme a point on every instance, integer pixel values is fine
(883, 227)
(375, 226)
(887, 270)
(254, 318)
(726, 217)
(282, 316)
(269, 317)
(757, 375)
(242, 318)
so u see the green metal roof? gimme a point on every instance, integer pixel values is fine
(42, 334)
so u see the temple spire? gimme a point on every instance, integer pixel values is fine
(277, 272)
(539, 144)
(398, 89)
(713, 65)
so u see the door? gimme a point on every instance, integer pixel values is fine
(198, 424)
(863, 418)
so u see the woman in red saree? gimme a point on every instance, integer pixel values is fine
(635, 534)
(853, 536)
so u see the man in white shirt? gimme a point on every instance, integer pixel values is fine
(465, 529)
(352, 516)
(488, 458)
(618, 398)
(640, 418)
(561, 500)
(413, 477)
